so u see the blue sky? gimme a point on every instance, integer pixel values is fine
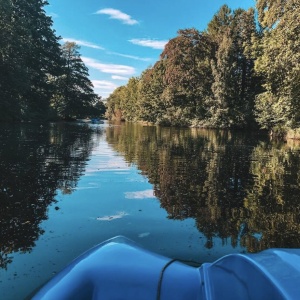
(119, 39)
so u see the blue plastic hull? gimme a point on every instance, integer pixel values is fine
(119, 269)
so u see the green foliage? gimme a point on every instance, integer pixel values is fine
(113, 105)
(98, 109)
(293, 134)
(11, 61)
(237, 73)
(270, 11)
(29, 51)
(32, 67)
(187, 75)
(129, 99)
(152, 86)
(43, 58)
(74, 96)
(202, 78)
(232, 68)
(278, 62)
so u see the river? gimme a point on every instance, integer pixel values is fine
(190, 194)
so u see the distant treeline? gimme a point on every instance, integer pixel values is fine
(242, 71)
(39, 78)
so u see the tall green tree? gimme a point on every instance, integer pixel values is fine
(74, 95)
(129, 101)
(232, 68)
(29, 53)
(12, 72)
(278, 62)
(151, 106)
(114, 109)
(43, 58)
(188, 74)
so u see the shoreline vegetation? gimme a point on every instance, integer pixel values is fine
(242, 71)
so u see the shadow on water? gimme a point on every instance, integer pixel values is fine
(35, 162)
(238, 186)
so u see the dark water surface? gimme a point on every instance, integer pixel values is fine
(186, 193)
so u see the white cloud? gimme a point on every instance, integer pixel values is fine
(119, 215)
(105, 94)
(155, 44)
(108, 68)
(139, 194)
(117, 77)
(83, 43)
(104, 84)
(104, 87)
(111, 163)
(118, 15)
(131, 56)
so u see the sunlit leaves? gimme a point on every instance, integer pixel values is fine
(278, 62)
(237, 73)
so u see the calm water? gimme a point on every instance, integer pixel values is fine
(186, 193)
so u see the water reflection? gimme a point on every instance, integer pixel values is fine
(274, 200)
(36, 161)
(237, 186)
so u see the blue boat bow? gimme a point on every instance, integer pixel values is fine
(120, 269)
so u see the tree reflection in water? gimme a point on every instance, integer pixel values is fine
(238, 186)
(36, 161)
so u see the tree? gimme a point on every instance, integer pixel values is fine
(129, 100)
(98, 109)
(12, 72)
(29, 53)
(74, 95)
(232, 68)
(235, 74)
(114, 109)
(43, 58)
(151, 106)
(278, 62)
(188, 74)
(220, 21)
(270, 11)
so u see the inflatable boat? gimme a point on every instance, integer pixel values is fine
(120, 269)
